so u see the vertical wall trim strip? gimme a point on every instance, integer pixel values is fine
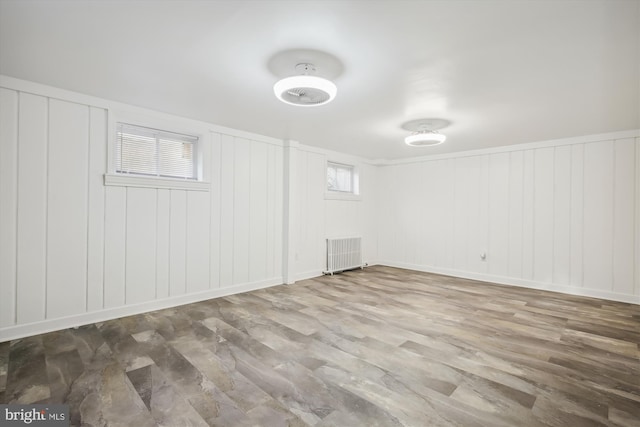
(157, 233)
(637, 219)
(233, 222)
(554, 189)
(104, 206)
(288, 248)
(251, 193)
(86, 287)
(508, 204)
(46, 210)
(169, 258)
(570, 215)
(186, 241)
(15, 284)
(522, 215)
(266, 207)
(533, 215)
(126, 234)
(210, 202)
(614, 148)
(584, 146)
(219, 210)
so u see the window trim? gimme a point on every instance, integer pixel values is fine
(113, 178)
(353, 195)
(158, 135)
(141, 181)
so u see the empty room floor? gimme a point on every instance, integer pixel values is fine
(379, 347)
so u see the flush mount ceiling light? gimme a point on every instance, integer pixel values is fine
(425, 132)
(305, 89)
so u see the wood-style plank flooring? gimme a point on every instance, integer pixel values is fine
(379, 347)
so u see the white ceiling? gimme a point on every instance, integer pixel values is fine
(503, 72)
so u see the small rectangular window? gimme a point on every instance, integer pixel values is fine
(340, 178)
(152, 152)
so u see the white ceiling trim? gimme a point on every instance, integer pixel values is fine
(610, 136)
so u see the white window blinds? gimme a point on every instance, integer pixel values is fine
(340, 177)
(153, 152)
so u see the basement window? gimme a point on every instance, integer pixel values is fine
(342, 181)
(152, 152)
(154, 158)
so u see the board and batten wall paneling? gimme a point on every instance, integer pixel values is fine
(446, 194)
(140, 262)
(163, 239)
(214, 211)
(465, 208)
(67, 208)
(115, 234)
(227, 155)
(319, 216)
(428, 180)
(561, 216)
(543, 214)
(576, 215)
(177, 242)
(75, 251)
(561, 259)
(480, 224)
(241, 209)
(515, 183)
(95, 231)
(258, 207)
(8, 204)
(274, 211)
(316, 205)
(623, 216)
(598, 215)
(33, 145)
(498, 250)
(367, 216)
(197, 249)
(247, 209)
(411, 215)
(385, 211)
(309, 217)
(528, 212)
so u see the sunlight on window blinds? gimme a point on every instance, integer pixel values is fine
(152, 152)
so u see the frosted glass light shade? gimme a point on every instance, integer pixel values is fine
(425, 139)
(305, 90)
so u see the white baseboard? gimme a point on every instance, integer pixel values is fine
(308, 275)
(21, 331)
(571, 290)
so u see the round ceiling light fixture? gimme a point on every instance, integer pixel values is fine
(425, 132)
(305, 89)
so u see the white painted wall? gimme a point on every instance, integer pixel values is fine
(319, 216)
(560, 215)
(73, 250)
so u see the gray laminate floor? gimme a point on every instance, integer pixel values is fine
(379, 347)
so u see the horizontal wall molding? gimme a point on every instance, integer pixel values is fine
(151, 182)
(25, 330)
(571, 290)
(634, 133)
